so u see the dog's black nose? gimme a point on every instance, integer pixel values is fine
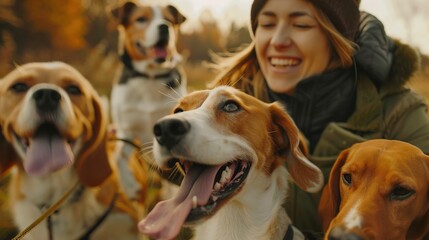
(164, 35)
(46, 99)
(168, 132)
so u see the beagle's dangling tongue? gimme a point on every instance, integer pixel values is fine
(46, 153)
(167, 218)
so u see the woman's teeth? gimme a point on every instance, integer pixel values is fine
(283, 62)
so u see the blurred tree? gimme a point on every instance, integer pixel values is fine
(8, 20)
(101, 26)
(208, 37)
(237, 37)
(63, 22)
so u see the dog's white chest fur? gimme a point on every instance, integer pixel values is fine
(139, 103)
(74, 216)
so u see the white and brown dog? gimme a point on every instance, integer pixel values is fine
(151, 79)
(234, 149)
(54, 131)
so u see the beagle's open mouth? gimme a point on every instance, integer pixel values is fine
(210, 186)
(203, 190)
(46, 150)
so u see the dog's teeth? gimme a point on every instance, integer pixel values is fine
(226, 175)
(194, 202)
(214, 198)
(217, 186)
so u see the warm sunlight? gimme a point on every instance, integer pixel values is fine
(407, 22)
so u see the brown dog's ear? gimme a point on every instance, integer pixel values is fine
(123, 12)
(330, 200)
(93, 165)
(419, 228)
(178, 17)
(304, 173)
(8, 156)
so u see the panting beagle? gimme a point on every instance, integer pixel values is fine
(378, 189)
(234, 149)
(150, 82)
(54, 131)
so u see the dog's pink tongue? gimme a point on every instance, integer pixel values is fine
(46, 154)
(160, 52)
(167, 217)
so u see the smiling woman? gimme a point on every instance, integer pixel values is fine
(312, 56)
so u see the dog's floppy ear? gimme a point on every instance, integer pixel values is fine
(330, 200)
(93, 164)
(178, 17)
(8, 156)
(123, 12)
(419, 228)
(304, 173)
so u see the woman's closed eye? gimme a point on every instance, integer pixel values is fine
(303, 25)
(267, 25)
(266, 22)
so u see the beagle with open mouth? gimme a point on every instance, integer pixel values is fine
(377, 189)
(150, 82)
(233, 149)
(54, 131)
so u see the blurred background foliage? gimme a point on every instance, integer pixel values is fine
(82, 33)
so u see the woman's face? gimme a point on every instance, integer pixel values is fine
(290, 44)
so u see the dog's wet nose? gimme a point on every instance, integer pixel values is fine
(164, 35)
(168, 132)
(46, 99)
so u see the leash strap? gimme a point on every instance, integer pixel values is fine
(289, 233)
(100, 220)
(46, 214)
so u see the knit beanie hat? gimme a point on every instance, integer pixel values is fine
(344, 14)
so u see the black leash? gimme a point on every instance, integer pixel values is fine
(135, 145)
(100, 220)
(289, 233)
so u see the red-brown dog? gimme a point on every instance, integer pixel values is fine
(378, 189)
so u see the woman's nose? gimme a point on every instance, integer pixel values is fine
(281, 38)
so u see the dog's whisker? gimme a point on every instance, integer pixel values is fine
(173, 98)
(178, 95)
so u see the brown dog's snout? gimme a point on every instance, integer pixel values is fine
(46, 100)
(338, 233)
(168, 132)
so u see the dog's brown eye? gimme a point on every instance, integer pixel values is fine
(347, 178)
(141, 20)
(400, 193)
(73, 90)
(178, 110)
(230, 106)
(19, 87)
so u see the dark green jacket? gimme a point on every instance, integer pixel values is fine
(385, 108)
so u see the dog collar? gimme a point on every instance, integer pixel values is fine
(174, 77)
(129, 72)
